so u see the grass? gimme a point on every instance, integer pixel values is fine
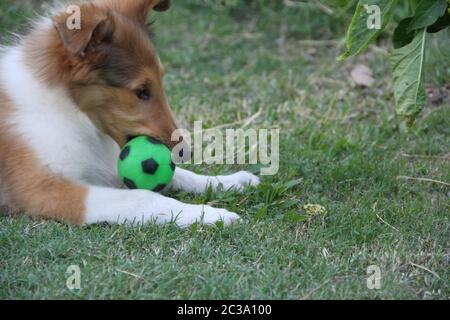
(344, 143)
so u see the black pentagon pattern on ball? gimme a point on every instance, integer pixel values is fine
(160, 187)
(129, 183)
(125, 153)
(150, 166)
(153, 140)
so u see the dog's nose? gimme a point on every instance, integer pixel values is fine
(129, 138)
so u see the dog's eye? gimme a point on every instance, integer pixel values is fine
(143, 94)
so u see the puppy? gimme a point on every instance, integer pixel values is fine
(69, 99)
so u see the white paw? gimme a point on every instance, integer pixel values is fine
(206, 215)
(239, 181)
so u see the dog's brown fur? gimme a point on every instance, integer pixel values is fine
(31, 188)
(102, 65)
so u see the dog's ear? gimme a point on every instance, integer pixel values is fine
(83, 27)
(135, 9)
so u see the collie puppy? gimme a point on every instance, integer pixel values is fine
(70, 98)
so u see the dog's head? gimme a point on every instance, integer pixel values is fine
(112, 69)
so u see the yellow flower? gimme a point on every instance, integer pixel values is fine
(314, 209)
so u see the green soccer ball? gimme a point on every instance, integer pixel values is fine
(146, 163)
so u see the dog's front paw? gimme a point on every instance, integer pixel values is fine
(206, 215)
(239, 181)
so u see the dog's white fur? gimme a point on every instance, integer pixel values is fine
(67, 143)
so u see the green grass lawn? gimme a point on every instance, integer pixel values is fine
(344, 143)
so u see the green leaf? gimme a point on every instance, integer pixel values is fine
(402, 35)
(359, 36)
(442, 23)
(413, 4)
(407, 66)
(427, 13)
(262, 212)
(294, 217)
(293, 183)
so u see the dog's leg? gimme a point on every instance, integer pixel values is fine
(41, 193)
(65, 201)
(139, 206)
(191, 182)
